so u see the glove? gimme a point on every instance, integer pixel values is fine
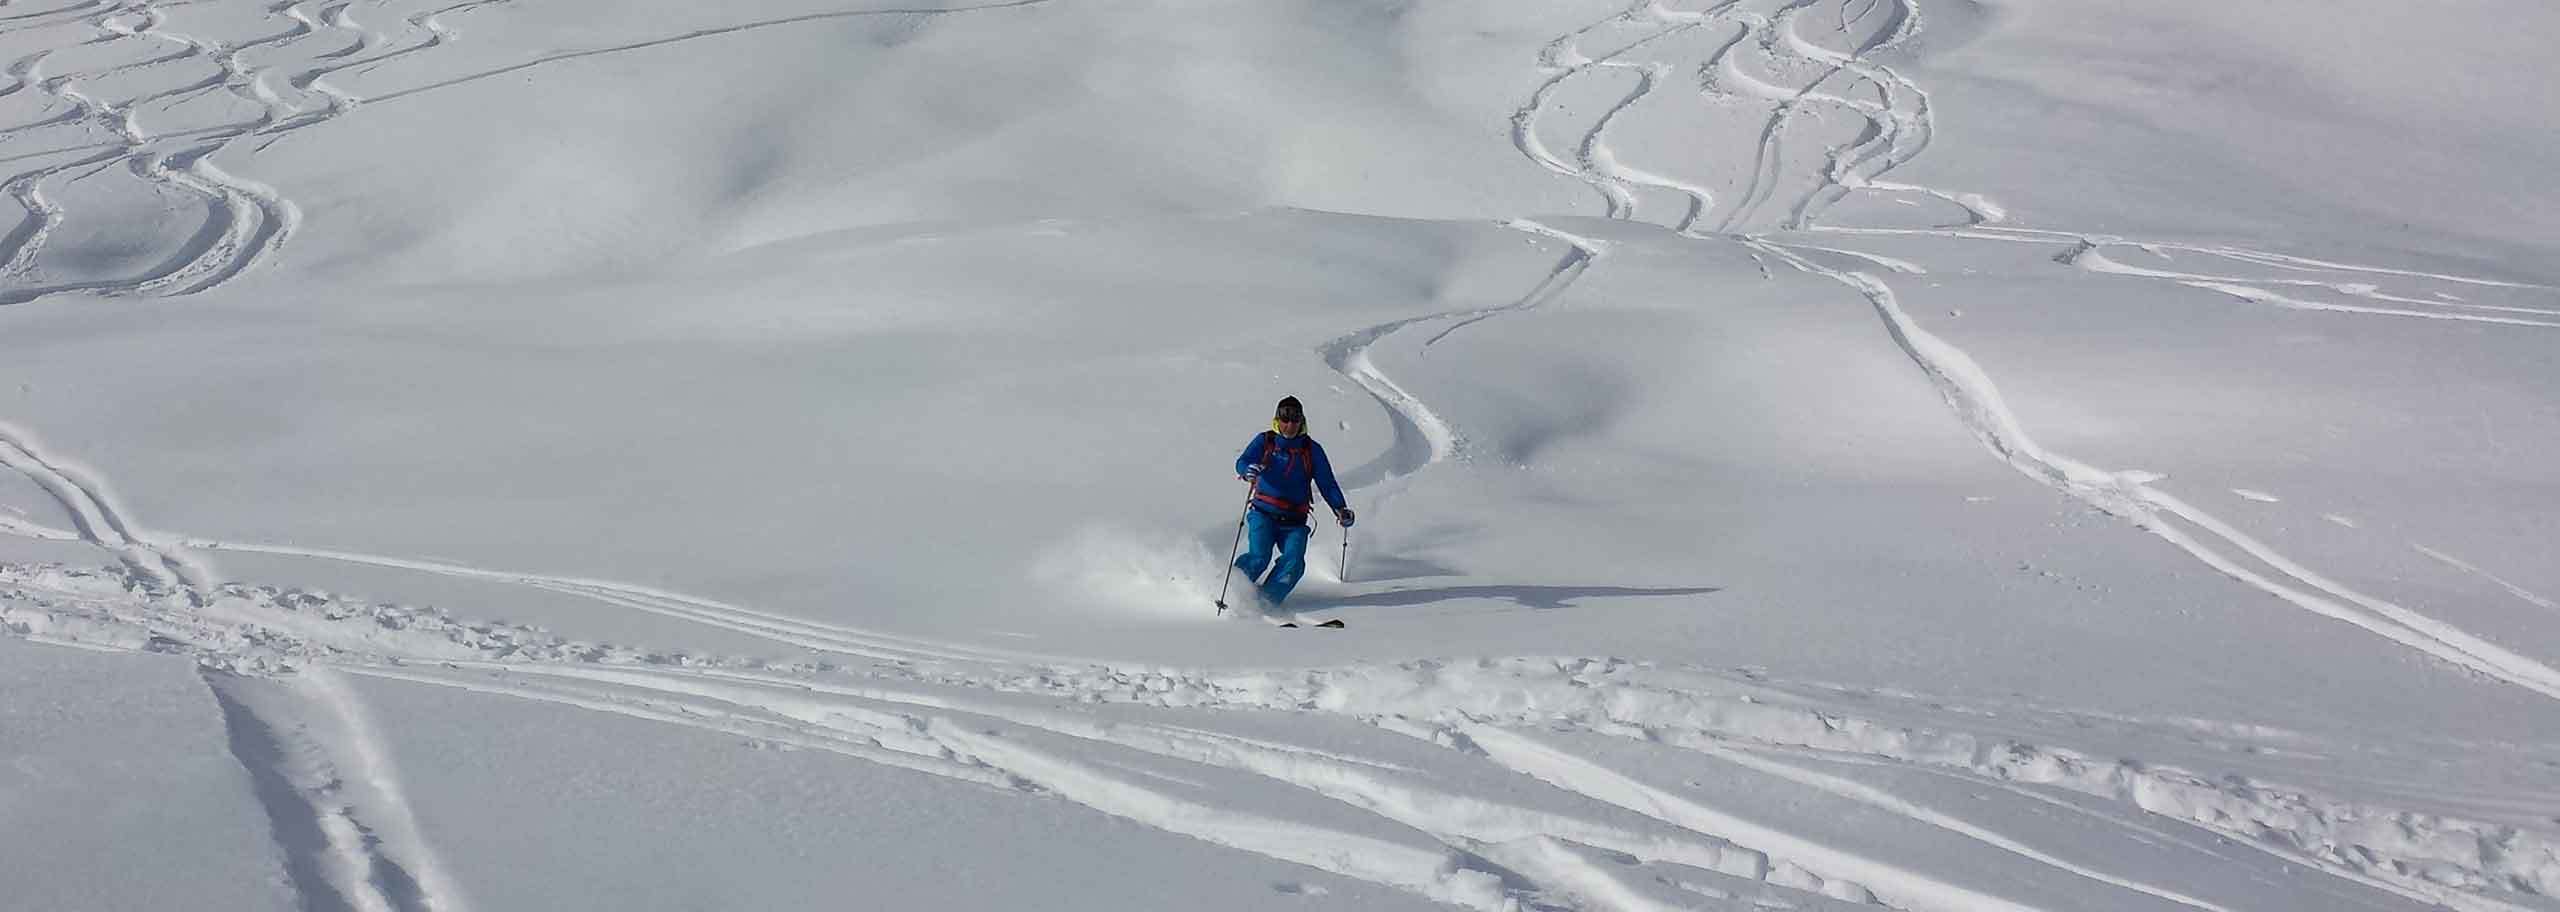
(1343, 516)
(1251, 474)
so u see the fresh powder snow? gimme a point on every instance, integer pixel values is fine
(1937, 455)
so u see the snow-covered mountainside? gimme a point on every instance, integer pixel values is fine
(1810, 454)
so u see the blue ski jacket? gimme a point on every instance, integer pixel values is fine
(1289, 466)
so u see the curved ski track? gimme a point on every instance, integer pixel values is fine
(245, 221)
(1898, 130)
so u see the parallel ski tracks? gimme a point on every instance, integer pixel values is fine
(781, 629)
(296, 741)
(98, 520)
(992, 722)
(348, 835)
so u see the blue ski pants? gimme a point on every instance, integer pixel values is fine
(1263, 534)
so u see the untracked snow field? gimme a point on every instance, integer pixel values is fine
(1935, 455)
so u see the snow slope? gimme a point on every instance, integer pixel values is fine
(1811, 454)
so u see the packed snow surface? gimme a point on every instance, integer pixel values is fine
(1811, 454)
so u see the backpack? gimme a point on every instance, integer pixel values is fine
(1301, 451)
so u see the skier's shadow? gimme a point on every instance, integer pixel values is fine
(1543, 598)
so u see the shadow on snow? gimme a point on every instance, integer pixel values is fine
(1540, 597)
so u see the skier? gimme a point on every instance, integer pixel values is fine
(1281, 463)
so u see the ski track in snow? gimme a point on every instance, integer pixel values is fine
(347, 837)
(281, 75)
(334, 799)
(1969, 390)
(2519, 592)
(1599, 837)
(1016, 725)
(98, 520)
(1421, 436)
(335, 806)
(245, 220)
(1897, 130)
(704, 611)
(704, 33)
(2091, 255)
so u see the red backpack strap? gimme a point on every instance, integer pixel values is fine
(1268, 438)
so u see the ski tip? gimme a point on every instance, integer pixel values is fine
(1336, 623)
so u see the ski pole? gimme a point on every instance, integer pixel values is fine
(1230, 574)
(1346, 554)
